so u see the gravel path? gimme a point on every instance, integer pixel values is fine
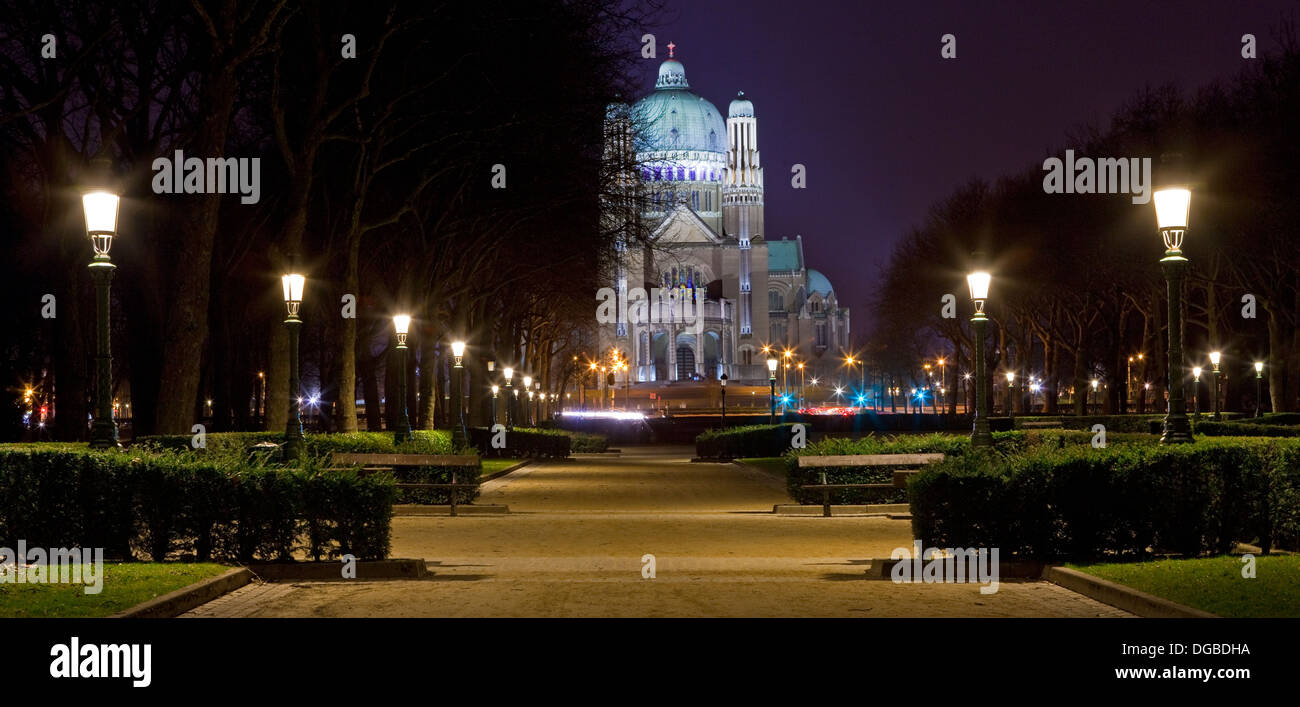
(577, 532)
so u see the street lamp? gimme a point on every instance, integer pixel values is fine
(1172, 206)
(1215, 357)
(1011, 383)
(528, 411)
(1259, 380)
(771, 396)
(978, 282)
(801, 403)
(1196, 390)
(495, 389)
(1095, 383)
(293, 284)
(723, 380)
(458, 432)
(100, 207)
(509, 373)
(401, 433)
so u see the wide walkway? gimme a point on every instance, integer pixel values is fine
(574, 543)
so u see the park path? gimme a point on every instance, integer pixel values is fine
(574, 543)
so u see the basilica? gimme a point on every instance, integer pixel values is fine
(699, 181)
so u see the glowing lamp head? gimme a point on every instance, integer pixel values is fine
(1259, 367)
(1011, 376)
(528, 381)
(1172, 207)
(100, 207)
(1094, 383)
(293, 284)
(495, 389)
(509, 373)
(978, 282)
(1215, 357)
(771, 367)
(401, 325)
(1196, 373)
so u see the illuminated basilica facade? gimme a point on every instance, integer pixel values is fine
(734, 288)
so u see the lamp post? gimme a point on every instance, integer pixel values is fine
(293, 440)
(1196, 391)
(495, 389)
(1011, 384)
(100, 208)
(1095, 383)
(402, 432)
(1215, 357)
(1259, 388)
(723, 380)
(978, 282)
(528, 411)
(1172, 205)
(943, 382)
(509, 373)
(458, 432)
(771, 396)
(801, 404)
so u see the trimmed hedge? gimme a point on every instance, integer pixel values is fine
(522, 442)
(1113, 423)
(158, 505)
(748, 441)
(1210, 428)
(1127, 500)
(238, 444)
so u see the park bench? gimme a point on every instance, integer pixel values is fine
(371, 463)
(869, 460)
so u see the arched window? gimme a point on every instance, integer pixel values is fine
(775, 301)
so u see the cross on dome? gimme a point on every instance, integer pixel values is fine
(671, 47)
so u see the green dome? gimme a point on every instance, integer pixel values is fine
(673, 119)
(741, 107)
(818, 283)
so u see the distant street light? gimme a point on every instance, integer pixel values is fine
(1196, 390)
(509, 373)
(495, 389)
(1011, 384)
(293, 284)
(401, 433)
(771, 397)
(723, 380)
(1215, 357)
(100, 207)
(978, 282)
(458, 432)
(1259, 388)
(1172, 206)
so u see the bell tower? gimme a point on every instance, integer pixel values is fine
(742, 195)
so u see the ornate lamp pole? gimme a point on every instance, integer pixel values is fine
(771, 396)
(509, 373)
(528, 410)
(402, 433)
(293, 440)
(1196, 391)
(723, 381)
(100, 207)
(1172, 205)
(495, 389)
(458, 433)
(1215, 357)
(1259, 388)
(978, 282)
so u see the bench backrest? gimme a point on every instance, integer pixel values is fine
(840, 460)
(406, 459)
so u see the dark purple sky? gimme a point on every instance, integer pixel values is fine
(857, 92)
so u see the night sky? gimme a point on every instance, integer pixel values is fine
(857, 92)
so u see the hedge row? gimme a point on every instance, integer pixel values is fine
(317, 445)
(158, 505)
(519, 442)
(749, 441)
(1128, 500)
(1210, 428)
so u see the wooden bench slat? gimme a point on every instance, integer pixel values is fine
(810, 461)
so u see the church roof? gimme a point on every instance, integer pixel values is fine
(740, 107)
(784, 255)
(674, 119)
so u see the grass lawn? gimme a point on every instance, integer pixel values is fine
(125, 584)
(1214, 584)
(492, 466)
(772, 465)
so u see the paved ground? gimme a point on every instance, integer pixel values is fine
(578, 530)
